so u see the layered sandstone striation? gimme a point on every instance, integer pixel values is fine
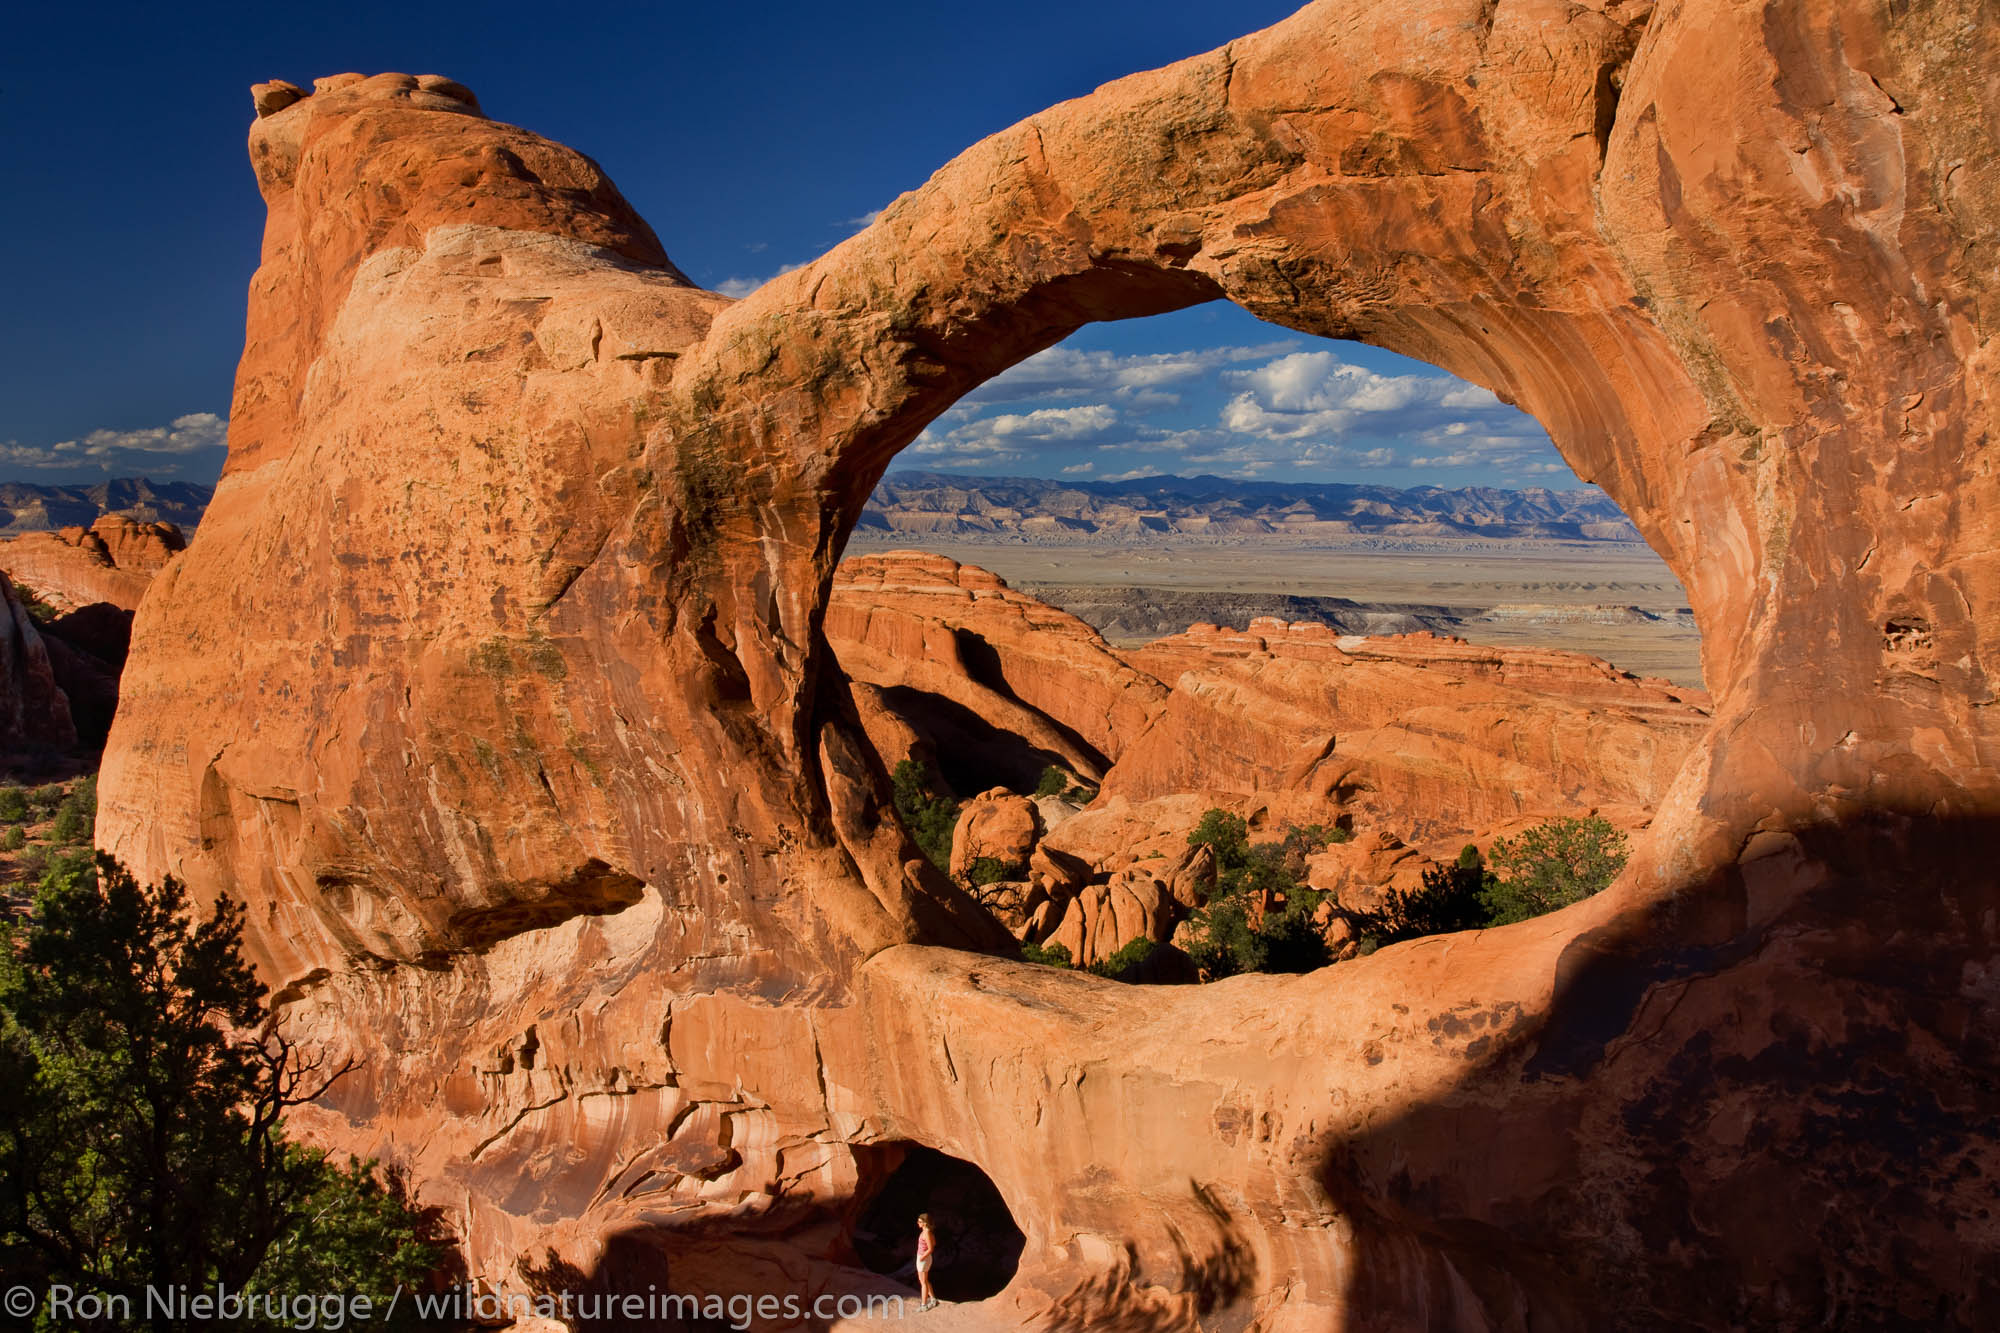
(953, 639)
(496, 685)
(112, 561)
(1437, 737)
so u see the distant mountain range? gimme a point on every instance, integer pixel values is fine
(25, 507)
(1043, 511)
(1033, 509)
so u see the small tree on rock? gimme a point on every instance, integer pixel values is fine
(141, 1096)
(1553, 865)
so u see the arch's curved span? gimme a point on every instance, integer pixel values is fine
(494, 681)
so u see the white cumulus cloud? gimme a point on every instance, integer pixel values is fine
(1139, 380)
(161, 451)
(742, 287)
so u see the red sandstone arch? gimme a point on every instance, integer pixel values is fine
(509, 602)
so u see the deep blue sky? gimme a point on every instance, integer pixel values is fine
(752, 137)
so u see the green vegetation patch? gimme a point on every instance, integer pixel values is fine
(1064, 785)
(925, 809)
(987, 870)
(141, 1140)
(1550, 866)
(1261, 916)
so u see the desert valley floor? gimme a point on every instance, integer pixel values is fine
(1615, 600)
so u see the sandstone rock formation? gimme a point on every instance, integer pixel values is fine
(496, 685)
(96, 577)
(34, 712)
(996, 826)
(1436, 737)
(112, 561)
(960, 648)
(1360, 872)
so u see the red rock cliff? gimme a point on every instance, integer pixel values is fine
(1434, 737)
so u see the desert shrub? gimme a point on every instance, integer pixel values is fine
(14, 839)
(1048, 955)
(1225, 835)
(1287, 939)
(13, 805)
(45, 799)
(1055, 782)
(929, 814)
(1223, 944)
(1552, 865)
(72, 825)
(1226, 944)
(1129, 963)
(38, 610)
(1451, 898)
(1293, 940)
(1302, 840)
(986, 870)
(76, 817)
(1549, 866)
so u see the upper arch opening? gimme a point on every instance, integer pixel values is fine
(1356, 605)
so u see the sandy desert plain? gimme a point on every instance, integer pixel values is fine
(1547, 586)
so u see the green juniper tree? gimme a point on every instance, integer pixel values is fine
(1286, 939)
(930, 815)
(142, 1091)
(1553, 865)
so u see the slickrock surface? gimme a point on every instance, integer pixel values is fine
(496, 685)
(1433, 736)
(935, 626)
(113, 561)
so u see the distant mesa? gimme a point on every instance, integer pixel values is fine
(111, 561)
(1038, 510)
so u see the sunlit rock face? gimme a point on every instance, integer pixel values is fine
(494, 683)
(112, 561)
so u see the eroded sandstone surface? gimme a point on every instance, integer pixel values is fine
(495, 683)
(112, 561)
(34, 711)
(1407, 737)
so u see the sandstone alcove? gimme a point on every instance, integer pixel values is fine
(979, 1243)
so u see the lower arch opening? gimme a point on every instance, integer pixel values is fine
(978, 1242)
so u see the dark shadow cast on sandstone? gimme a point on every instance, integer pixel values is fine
(1765, 1101)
